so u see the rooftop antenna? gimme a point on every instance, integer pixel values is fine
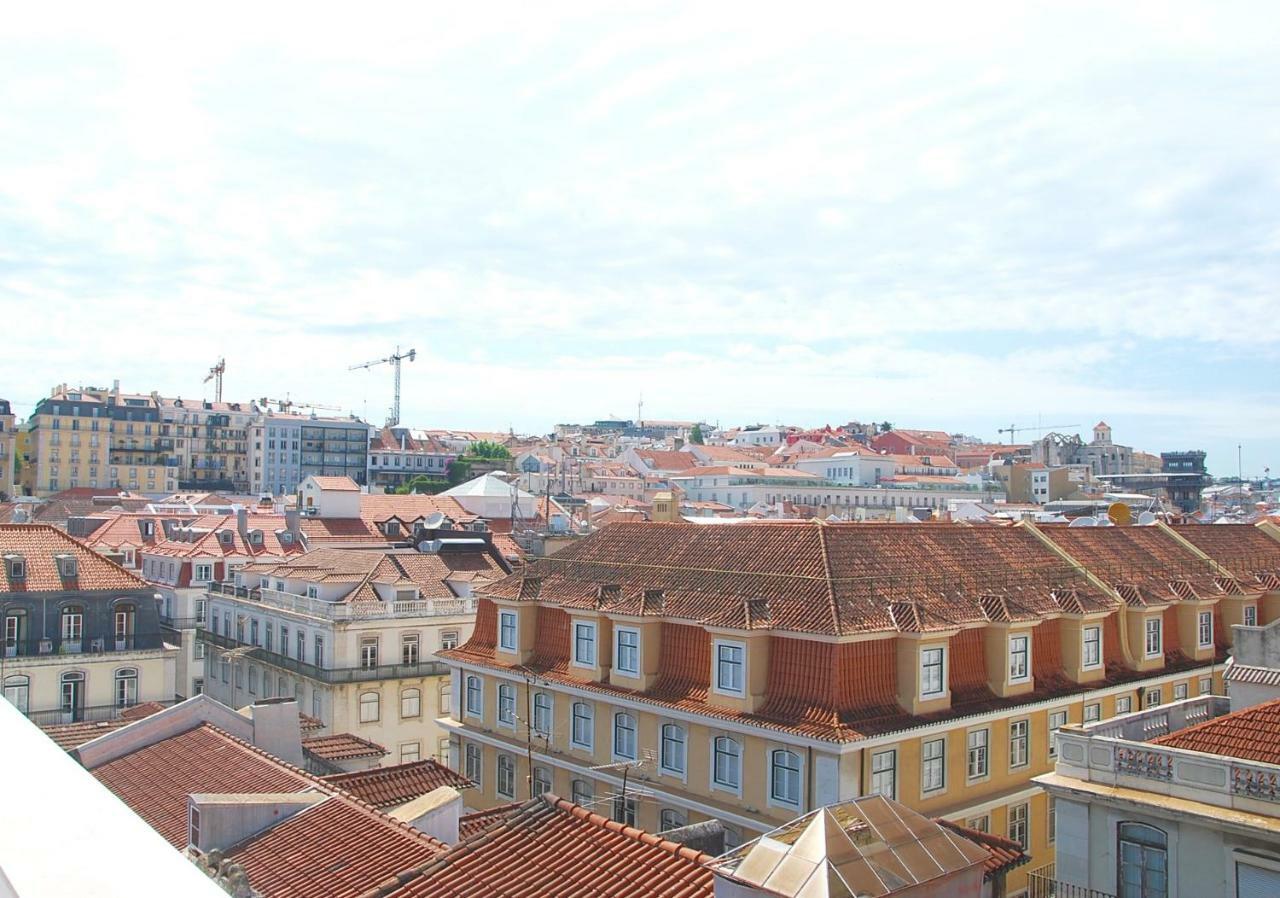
(215, 375)
(394, 359)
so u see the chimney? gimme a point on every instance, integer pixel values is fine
(435, 813)
(292, 523)
(242, 522)
(276, 729)
(216, 821)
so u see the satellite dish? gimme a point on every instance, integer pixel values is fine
(1120, 513)
(1146, 518)
(434, 520)
(1084, 522)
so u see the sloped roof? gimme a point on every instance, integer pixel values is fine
(487, 486)
(338, 484)
(866, 847)
(39, 543)
(1249, 734)
(342, 747)
(552, 848)
(385, 787)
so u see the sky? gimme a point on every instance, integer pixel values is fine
(961, 216)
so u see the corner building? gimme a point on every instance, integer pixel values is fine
(751, 673)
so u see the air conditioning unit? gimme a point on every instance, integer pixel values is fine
(46, 646)
(97, 645)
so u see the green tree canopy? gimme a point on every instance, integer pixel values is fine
(695, 435)
(488, 450)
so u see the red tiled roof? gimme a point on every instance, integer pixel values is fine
(660, 460)
(73, 735)
(38, 543)
(1245, 550)
(551, 847)
(1249, 734)
(479, 821)
(342, 747)
(385, 787)
(156, 780)
(1147, 559)
(340, 484)
(336, 849)
(1003, 854)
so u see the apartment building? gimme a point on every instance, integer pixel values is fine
(350, 633)
(209, 441)
(399, 454)
(101, 438)
(285, 448)
(82, 637)
(751, 673)
(8, 450)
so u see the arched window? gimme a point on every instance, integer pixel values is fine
(672, 755)
(410, 703)
(17, 689)
(506, 704)
(727, 763)
(582, 793)
(72, 699)
(624, 736)
(1143, 861)
(784, 777)
(126, 687)
(670, 819)
(72, 628)
(542, 714)
(125, 617)
(584, 726)
(370, 706)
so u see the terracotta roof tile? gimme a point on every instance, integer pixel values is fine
(1003, 854)
(1248, 734)
(385, 787)
(1243, 549)
(342, 747)
(341, 484)
(479, 821)
(39, 543)
(551, 847)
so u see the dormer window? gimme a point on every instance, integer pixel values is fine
(286, 538)
(391, 528)
(16, 567)
(66, 566)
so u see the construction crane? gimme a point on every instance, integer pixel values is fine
(1013, 429)
(285, 404)
(394, 359)
(215, 375)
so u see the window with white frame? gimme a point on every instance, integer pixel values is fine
(1179, 691)
(583, 727)
(1204, 629)
(203, 573)
(1019, 658)
(670, 818)
(1019, 743)
(624, 810)
(624, 736)
(541, 781)
(582, 792)
(1205, 685)
(449, 639)
(884, 774)
(1124, 704)
(506, 785)
(1092, 713)
(731, 661)
(1052, 822)
(507, 630)
(475, 696)
(506, 704)
(1151, 698)
(410, 703)
(932, 672)
(410, 751)
(584, 644)
(542, 714)
(1056, 719)
(726, 766)
(1154, 642)
(784, 777)
(933, 765)
(980, 824)
(1250, 615)
(1092, 653)
(409, 649)
(978, 753)
(368, 652)
(474, 763)
(627, 655)
(1018, 814)
(671, 756)
(370, 706)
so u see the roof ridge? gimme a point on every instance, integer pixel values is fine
(631, 832)
(832, 604)
(1212, 721)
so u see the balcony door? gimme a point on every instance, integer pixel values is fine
(15, 625)
(125, 618)
(1143, 862)
(72, 696)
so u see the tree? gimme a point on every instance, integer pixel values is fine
(885, 427)
(422, 484)
(488, 450)
(459, 471)
(695, 435)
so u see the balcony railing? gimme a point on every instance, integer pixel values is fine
(88, 645)
(326, 674)
(91, 714)
(1041, 883)
(342, 611)
(1113, 753)
(181, 623)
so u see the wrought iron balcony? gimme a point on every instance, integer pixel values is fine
(1041, 883)
(88, 645)
(324, 674)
